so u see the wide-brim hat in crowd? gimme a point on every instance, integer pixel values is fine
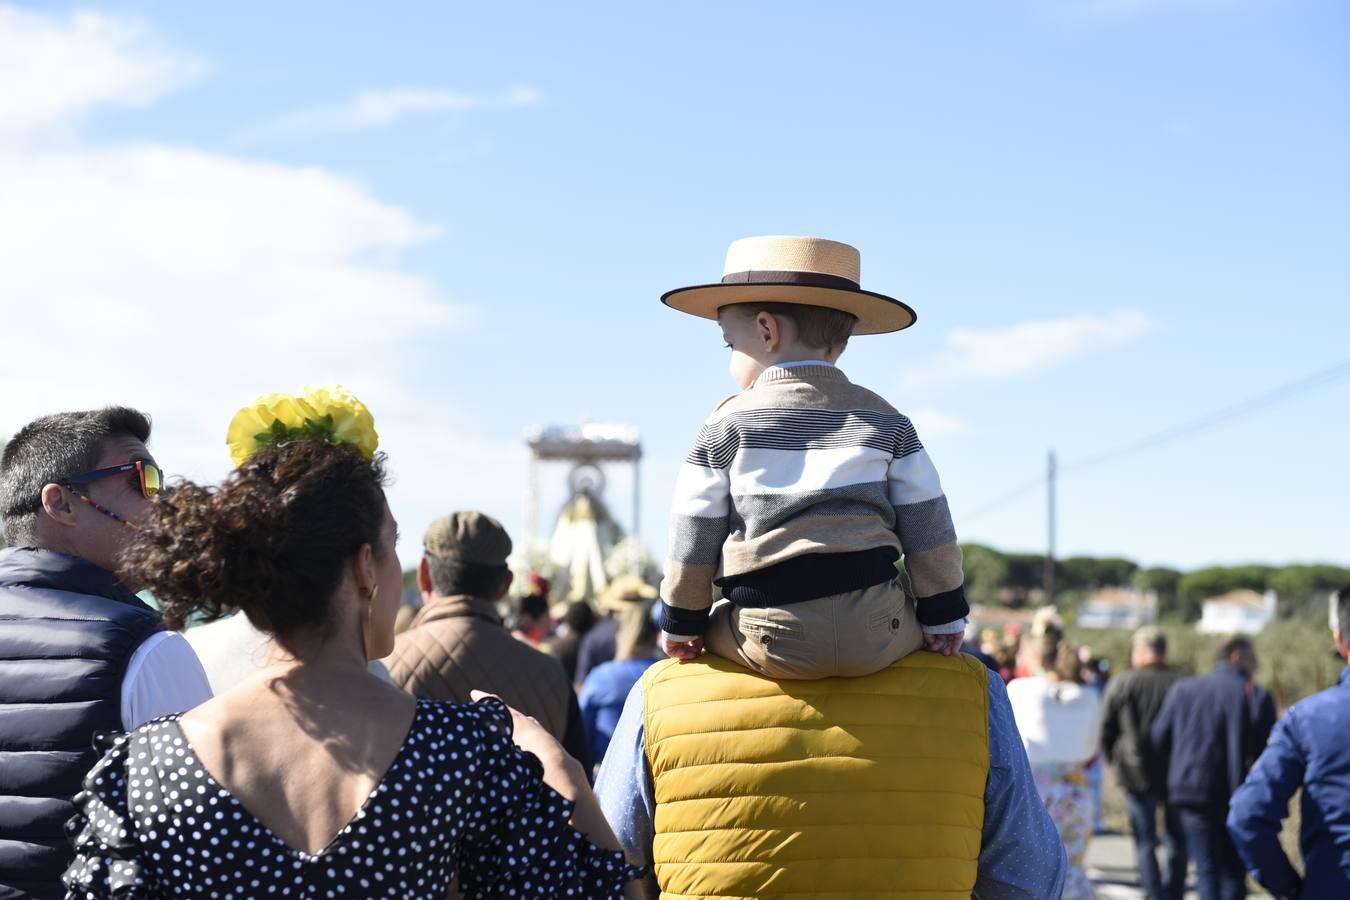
(625, 592)
(806, 270)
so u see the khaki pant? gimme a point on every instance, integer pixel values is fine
(850, 634)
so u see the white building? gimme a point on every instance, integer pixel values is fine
(1237, 612)
(1118, 608)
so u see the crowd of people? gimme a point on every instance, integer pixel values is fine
(788, 714)
(1206, 771)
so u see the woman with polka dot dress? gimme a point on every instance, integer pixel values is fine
(315, 778)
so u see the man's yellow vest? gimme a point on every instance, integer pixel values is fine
(843, 787)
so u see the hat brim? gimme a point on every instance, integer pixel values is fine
(609, 603)
(876, 313)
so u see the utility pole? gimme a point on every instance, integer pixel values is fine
(1050, 527)
(635, 552)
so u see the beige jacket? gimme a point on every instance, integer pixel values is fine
(458, 644)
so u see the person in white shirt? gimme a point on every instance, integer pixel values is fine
(80, 654)
(1058, 719)
(232, 650)
(163, 677)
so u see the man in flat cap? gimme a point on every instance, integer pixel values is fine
(458, 643)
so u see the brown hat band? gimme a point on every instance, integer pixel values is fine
(812, 279)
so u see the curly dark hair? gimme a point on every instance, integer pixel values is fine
(271, 541)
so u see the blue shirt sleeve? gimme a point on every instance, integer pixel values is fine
(1262, 803)
(624, 785)
(1021, 856)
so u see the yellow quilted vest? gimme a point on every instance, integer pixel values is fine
(844, 787)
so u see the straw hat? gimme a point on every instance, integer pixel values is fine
(806, 270)
(625, 592)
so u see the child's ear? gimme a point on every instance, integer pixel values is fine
(769, 330)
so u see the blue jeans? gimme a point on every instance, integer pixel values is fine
(1144, 824)
(1219, 871)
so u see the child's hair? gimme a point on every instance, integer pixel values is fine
(817, 326)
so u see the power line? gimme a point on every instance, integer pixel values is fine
(1237, 410)
(1002, 500)
(1273, 397)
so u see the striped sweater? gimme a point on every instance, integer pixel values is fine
(804, 462)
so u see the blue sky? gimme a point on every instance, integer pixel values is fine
(1111, 217)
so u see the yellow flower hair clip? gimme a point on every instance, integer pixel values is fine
(330, 412)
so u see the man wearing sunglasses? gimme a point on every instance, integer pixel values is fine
(80, 654)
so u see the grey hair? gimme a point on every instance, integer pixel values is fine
(1152, 637)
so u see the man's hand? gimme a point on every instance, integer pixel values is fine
(681, 649)
(946, 644)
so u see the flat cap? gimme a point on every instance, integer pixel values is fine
(468, 537)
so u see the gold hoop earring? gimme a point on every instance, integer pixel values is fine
(365, 627)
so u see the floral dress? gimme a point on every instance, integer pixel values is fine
(1067, 795)
(1059, 723)
(459, 801)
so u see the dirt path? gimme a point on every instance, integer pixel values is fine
(1110, 865)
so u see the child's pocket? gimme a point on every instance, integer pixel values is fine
(771, 623)
(888, 621)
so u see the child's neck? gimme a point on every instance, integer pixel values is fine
(797, 352)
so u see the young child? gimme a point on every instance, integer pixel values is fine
(803, 490)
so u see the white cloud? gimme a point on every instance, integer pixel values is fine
(186, 282)
(53, 71)
(935, 425)
(1027, 347)
(377, 109)
(187, 268)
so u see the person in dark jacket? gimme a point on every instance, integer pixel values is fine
(1132, 703)
(598, 646)
(579, 619)
(79, 653)
(1310, 749)
(1211, 729)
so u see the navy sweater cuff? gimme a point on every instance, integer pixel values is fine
(940, 609)
(683, 621)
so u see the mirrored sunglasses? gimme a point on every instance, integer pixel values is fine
(149, 477)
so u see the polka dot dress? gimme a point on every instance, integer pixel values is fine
(460, 799)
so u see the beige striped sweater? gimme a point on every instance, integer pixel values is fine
(806, 462)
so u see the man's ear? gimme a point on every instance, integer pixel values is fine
(424, 577)
(56, 504)
(506, 584)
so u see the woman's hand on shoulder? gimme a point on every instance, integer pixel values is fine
(560, 769)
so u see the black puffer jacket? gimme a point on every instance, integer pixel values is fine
(67, 631)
